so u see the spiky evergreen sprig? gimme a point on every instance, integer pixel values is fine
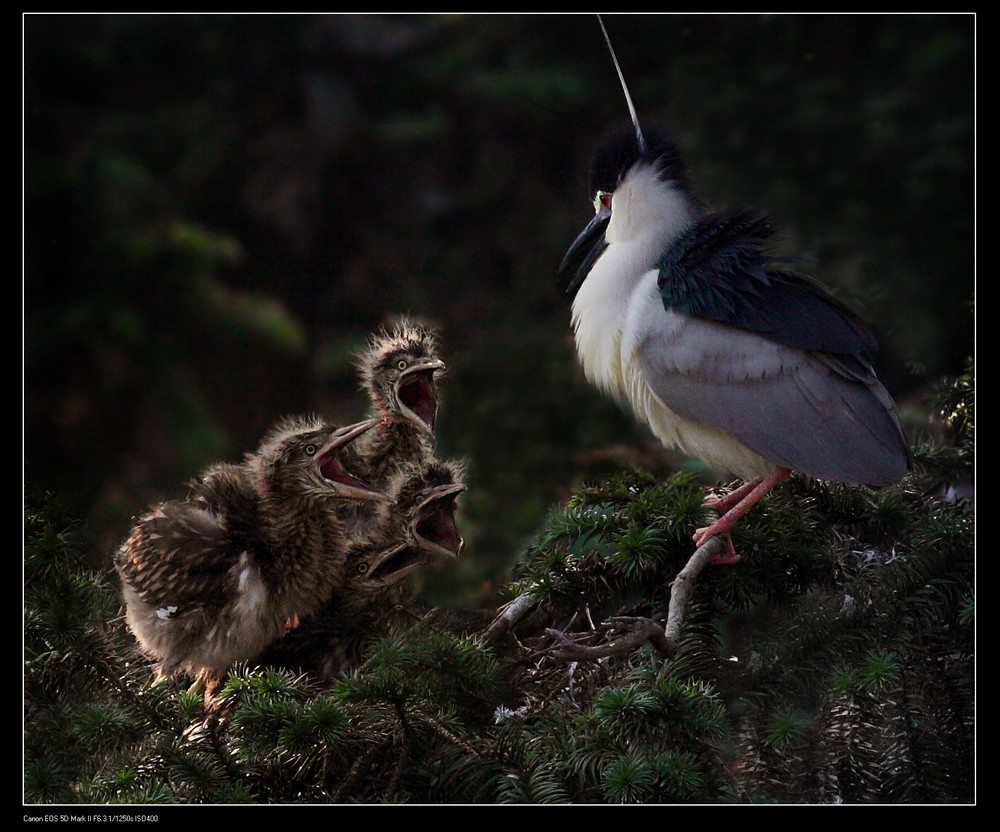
(834, 663)
(386, 732)
(608, 538)
(67, 643)
(95, 730)
(875, 594)
(945, 454)
(648, 736)
(837, 657)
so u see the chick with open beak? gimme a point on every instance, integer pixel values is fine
(214, 578)
(420, 528)
(414, 528)
(399, 370)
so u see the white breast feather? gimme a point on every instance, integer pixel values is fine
(619, 306)
(602, 303)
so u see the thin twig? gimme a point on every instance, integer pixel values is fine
(355, 771)
(642, 630)
(744, 795)
(397, 771)
(448, 736)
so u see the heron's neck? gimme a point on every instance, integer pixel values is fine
(648, 212)
(648, 217)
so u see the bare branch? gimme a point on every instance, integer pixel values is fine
(642, 630)
(511, 615)
(448, 736)
(683, 585)
(355, 772)
(397, 771)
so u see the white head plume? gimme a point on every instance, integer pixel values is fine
(628, 98)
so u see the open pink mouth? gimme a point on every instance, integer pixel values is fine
(438, 526)
(417, 394)
(333, 470)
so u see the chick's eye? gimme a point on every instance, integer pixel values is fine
(310, 450)
(401, 365)
(602, 200)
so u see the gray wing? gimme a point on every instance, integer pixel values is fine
(804, 410)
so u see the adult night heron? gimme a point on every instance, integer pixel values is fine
(725, 351)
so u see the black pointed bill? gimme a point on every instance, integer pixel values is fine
(583, 253)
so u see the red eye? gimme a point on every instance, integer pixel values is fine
(604, 198)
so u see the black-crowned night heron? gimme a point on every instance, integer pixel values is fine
(398, 370)
(726, 352)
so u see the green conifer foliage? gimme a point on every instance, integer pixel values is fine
(834, 663)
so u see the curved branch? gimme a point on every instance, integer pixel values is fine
(641, 631)
(645, 630)
(683, 585)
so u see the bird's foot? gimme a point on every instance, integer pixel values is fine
(208, 682)
(292, 622)
(170, 674)
(200, 683)
(733, 506)
(727, 558)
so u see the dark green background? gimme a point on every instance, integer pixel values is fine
(219, 209)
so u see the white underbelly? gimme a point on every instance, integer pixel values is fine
(608, 331)
(711, 446)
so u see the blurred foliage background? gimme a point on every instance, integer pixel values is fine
(219, 210)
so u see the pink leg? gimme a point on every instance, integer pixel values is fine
(722, 505)
(749, 496)
(727, 501)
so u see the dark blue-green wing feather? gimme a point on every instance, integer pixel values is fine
(720, 271)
